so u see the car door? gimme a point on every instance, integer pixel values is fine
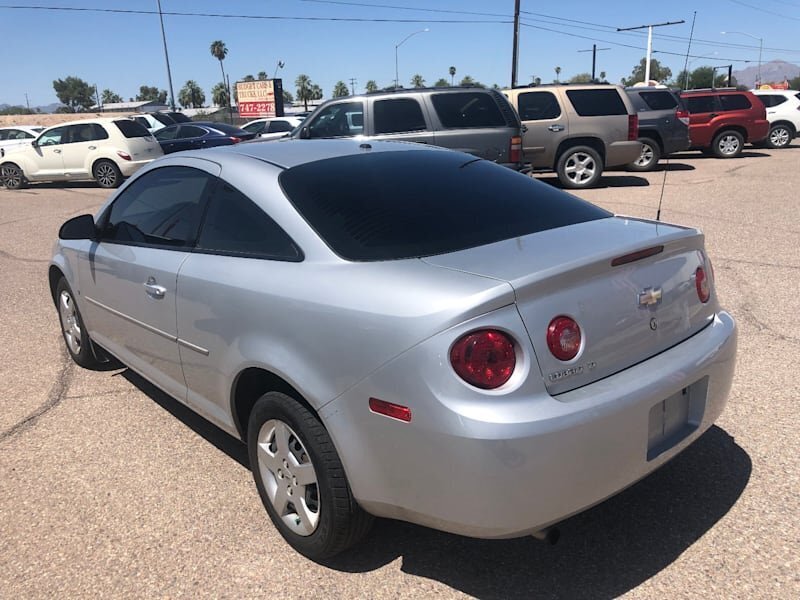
(400, 118)
(191, 137)
(83, 140)
(128, 278)
(547, 125)
(47, 161)
(703, 110)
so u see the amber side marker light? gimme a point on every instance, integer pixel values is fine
(388, 409)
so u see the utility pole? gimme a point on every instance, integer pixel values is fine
(27, 102)
(353, 86)
(649, 42)
(97, 97)
(515, 50)
(166, 57)
(594, 50)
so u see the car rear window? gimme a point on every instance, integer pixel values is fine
(597, 102)
(368, 207)
(734, 102)
(467, 109)
(661, 100)
(163, 119)
(770, 100)
(131, 129)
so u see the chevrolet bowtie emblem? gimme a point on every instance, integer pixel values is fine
(650, 297)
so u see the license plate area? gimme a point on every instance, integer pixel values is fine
(675, 418)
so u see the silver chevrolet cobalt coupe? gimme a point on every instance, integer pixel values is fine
(401, 331)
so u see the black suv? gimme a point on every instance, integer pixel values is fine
(474, 120)
(663, 124)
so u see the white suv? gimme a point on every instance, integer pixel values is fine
(783, 114)
(106, 150)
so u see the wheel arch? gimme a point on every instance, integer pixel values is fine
(785, 123)
(737, 128)
(54, 275)
(594, 143)
(100, 159)
(654, 135)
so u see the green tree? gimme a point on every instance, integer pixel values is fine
(191, 96)
(340, 90)
(219, 94)
(468, 81)
(602, 75)
(452, 71)
(110, 97)
(74, 93)
(581, 78)
(151, 94)
(220, 51)
(441, 82)
(262, 76)
(558, 72)
(418, 81)
(794, 84)
(287, 97)
(371, 86)
(248, 78)
(16, 110)
(304, 89)
(657, 72)
(701, 77)
(316, 92)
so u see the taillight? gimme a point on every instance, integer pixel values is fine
(123, 155)
(484, 358)
(515, 150)
(564, 338)
(235, 139)
(683, 116)
(703, 284)
(633, 128)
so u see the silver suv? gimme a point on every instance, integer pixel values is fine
(577, 130)
(474, 120)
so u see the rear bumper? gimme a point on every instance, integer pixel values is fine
(508, 468)
(129, 167)
(758, 131)
(622, 153)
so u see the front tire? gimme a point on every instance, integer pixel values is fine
(651, 154)
(579, 167)
(73, 330)
(728, 144)
(779, 136)
(107, 174)
(13, 177)
(301, 480)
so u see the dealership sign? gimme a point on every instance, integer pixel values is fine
(263, 98)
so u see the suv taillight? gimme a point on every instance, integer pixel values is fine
(515, 150)
(633, 128)
(683, 116)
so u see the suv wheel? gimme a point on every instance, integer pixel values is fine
(579, 167)
(107, 174)
(651, 153)
(779, 136)
(728, 144)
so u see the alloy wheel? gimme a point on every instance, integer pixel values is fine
(106, 175)
(779, 137)
(729, 144)
(646, 157)
(580, 167)
(69, 322)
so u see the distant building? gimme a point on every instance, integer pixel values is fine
(141, 106)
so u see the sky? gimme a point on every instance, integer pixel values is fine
(338, 40)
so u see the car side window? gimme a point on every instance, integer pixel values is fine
(771, 99)
(279, 127)
(54, 136)
(343, 119)
(700, 104)
(161, 208)
(190, 131)
(142, 121)
(467, 109)
(398, 115)
(537, 106)
(254, 127)
(5, 134)
(734, 102)
(166, 133)
(597, 102)
(659, 100)
(234, 225)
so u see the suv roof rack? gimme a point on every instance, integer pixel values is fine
(426, 89)
(566, 83)
(712, 89)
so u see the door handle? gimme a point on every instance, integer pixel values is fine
(56, 151)
(92, 147)
(556, 127)
(153, 290)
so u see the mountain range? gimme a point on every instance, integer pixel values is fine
(774, 71)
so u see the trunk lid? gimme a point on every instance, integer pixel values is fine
(568, 271)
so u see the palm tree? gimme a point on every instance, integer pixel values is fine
(262, 75)
(467, 81)
(418, 81)
(371, 86)
(191, 96)
(602, 75)
(303, 83)
(219, 94)
(558, 72)
(219, 51)
(340, 90)
(109, 97)
(452, 74)
(441, 82)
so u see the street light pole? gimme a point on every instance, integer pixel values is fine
(760, 48)
(649, 42)
(396, 46)
(166, 56)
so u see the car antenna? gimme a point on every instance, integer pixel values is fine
(663, 185)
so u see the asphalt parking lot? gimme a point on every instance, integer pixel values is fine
(111, 489)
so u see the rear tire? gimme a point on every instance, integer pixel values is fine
(73, 330)
(579, 167)
(13, 177)
(779, 136)
(727, 144)
(107, 174)
(651, 154)
(301, 480)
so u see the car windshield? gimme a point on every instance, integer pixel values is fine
(394, 205)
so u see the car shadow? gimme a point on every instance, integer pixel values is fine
(744, 154)
(603, 552)
(663, 165)
(606, 181)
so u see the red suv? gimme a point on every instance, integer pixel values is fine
(722, 120)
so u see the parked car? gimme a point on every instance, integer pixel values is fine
(272, 128)
(402, 331)
(577, 130)
(18, 135)
(473, 120)
(722, 120)
(663, 124)
(199, 134)
(783, 114)
(106, 150)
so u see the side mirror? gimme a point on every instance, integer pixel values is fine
(34, 144)
(305, 134)
(78, 228)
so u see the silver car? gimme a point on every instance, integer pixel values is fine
(401, 331)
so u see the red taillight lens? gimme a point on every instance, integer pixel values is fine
(235, 139)
(683, 116)
(123, 155)
(633, 127)
(564, 338)
(702, 284)
(515, 150)
(485, 358)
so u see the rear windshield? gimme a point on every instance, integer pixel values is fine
(395, 205)
(179, 117)
(227, 129)
(468, 109)
(131, 129)
(163, 119)
(659, 100)
(597, 102)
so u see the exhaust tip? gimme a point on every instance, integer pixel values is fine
(549, 535)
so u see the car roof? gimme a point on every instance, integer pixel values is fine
(100, 120)
(22, 127)
(289, 153)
